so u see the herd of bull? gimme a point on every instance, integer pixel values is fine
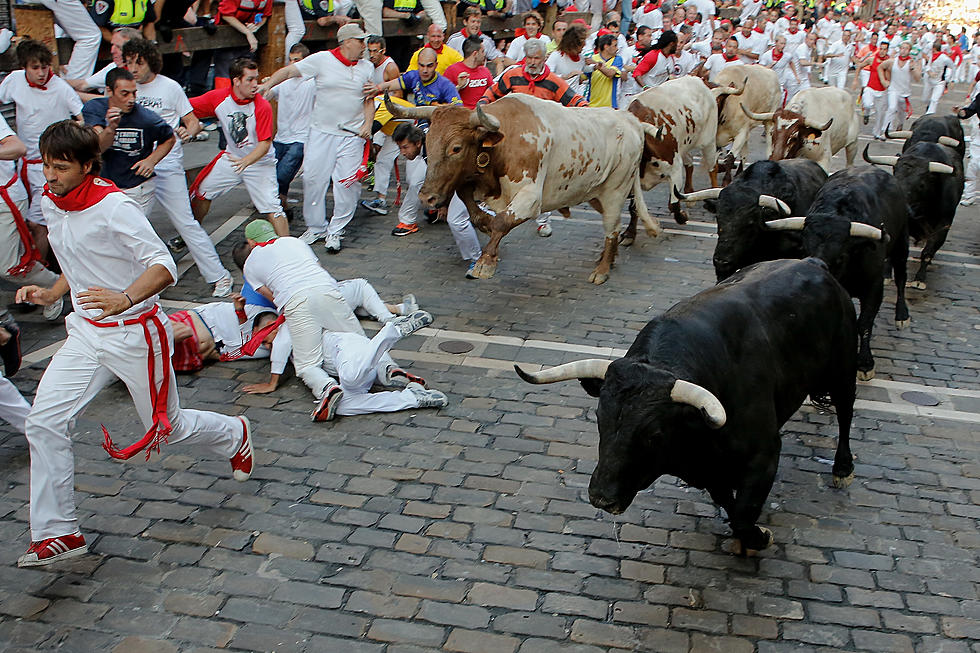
(720, 372)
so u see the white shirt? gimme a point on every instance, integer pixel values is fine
(166, 98)
(750, 8)
(901, 78)
(836, 64)
(659, 71)
(783, 68)
(489, 47)
(682, 64)
(654, 19)
(705, 7)
(516, 49)
(222, 321)
(802, 53)
(563, 66)
(379, 71)
(701, 49)
(295, 108)
(106, 245)
(97, 80)
(716, 63)
(16, 191)
(286, 266)
(938, 70)
(36, 109)
(754, 42)
(793, 41)
(339, 99)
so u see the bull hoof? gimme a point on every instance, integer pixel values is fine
(866, 375)
(917, 285)
(484, 270)
(656, 230)
(598, 278)
(841, 482)
(680, 217)
(627, 239)
(741, 550)
(901, 324)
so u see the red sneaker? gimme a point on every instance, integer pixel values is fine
(403, 229)
(327, 407)
(241, 462)
(399, 378)
(53, 549)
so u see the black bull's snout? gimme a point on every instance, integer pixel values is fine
(608, 495)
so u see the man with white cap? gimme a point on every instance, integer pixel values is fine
(340, 132)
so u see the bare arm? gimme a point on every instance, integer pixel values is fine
(144, 168)
(253, 43)
(151, 282)
(12, 148)
(43, 296)
(278, 77)
(189, 128)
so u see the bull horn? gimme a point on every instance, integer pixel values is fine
(899, 134)
(698, 195)
(879, 160)
(685, 392)
(941, 168)
(481, 119)
(786, 224)
(761, 117)
(592, 368)
(410, 113)
(774, 203)
(861, 230)
(825, 127)
(949, 142)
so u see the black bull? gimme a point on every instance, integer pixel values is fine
(705, 387)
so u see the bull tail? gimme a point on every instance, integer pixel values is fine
(651, 224)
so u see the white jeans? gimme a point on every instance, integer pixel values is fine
(361, 296)
(295, 27)
(357, 361)
(35, 188)
(837, 78)
(971, 175)
(875, 102)
(142, 195)
(384, 163)
(11, 250)
(332, 158)
(13, 407)
(896, 109)
(457, 216)
(309, 313)
(935, 94)
(88, 361)
(78, 24)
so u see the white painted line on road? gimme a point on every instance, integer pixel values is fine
(219, 234)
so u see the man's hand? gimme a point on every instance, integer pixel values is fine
(238, 301)
(112, 117)
(238, 165)
(35, 295)
(143, 168)
(109, 302)
(253, 43)
(365, 131)
(261, 388)
(372, 90)
(183, 134)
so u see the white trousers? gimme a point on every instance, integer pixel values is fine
(333, 158)
(295, 27)
(357, 360)
(13, 407)
(78, 24)
(11, 249)
(142, 195)
(171, 193)
(370, 11)
(894, 116)
(384, 163)
(935, 94)
(457, 216)
(259, 179)
(361, 296)
(875, 102)
(971, 175)
(837, 78)
(88, 361)
(309, 313)
(35, 188)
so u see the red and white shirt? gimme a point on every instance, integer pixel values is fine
(245, 123)
(38, 107)
(653, 69)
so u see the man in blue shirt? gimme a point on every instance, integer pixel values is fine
(424, 86)
(133, 138)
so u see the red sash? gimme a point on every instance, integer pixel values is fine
(202, 175)
(30, 255)
(253, 344)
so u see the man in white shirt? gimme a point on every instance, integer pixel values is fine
(718, 61)
(751, 44)
(750, 9)
(120, 37)
(939, 71)
(340, 130)
(114, 266)
(794, 35)
(295, 106)
(472, 21)
(804, 59)
(838, 57)
(166, 98)
(385, 70)
(896, 75)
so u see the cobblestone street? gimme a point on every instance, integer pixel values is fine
(469, 528)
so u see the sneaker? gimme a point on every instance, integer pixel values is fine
(222, 287)
(544, 230)
(428, 398)
(333, 244)
(201, 137)
(241, 462)
(469, 270)
(404, 229)
(176, 244)
(966, 202)
(210, 126)
(867, 117)
(376, 205)
(326, 409)
(399, 378)
(10, 351)
(409, 324)
(409, 304)
(53, 549)
(309, 236)
(52, 312)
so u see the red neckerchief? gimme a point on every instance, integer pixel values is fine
(532, 80)
(650, 7)
(239, 101)
(901, 58)
(268, 242)
(574, 57)
(792, 31)
(725, 57)
(936, 55)
(520, 31)
(86, 195)
(692, 22)
(43, 86)
(341, 58)
(760, 30)
(776, 57)
(439, 51)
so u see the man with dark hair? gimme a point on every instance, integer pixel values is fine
(295, 98)
(246, 121)
(385, 70)
(471, 76)
(165, 97)
(472, 21)
(42, 98)
(133, 138)
(114, 267)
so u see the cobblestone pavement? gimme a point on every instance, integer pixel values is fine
(469, 529)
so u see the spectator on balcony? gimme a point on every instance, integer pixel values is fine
(436, 41)
(532, 30)
(72, 17)
(137, 14)
(472, 21)
(247, 17)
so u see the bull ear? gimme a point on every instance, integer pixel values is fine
(491, 139)
(592, 386)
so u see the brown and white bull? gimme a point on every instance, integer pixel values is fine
(815, 124)
(684, 115)
(522, 156)
(761, 94)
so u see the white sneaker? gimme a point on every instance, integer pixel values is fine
(309, 236)
(409, 304)
(409, 324)
(52, 312)
(333, 243)
(428, 398)
(967, 202)
(222, 287)
(544, 230)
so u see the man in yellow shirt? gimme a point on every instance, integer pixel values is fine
(445, 55)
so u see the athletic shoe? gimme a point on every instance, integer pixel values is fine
(867, 117)
(10, 351)
(469, 270)
(409, 304)
(544, 230)
(201, 137)
(309, 236)
(53, 549)
(222, 287)
(409, 324)
(176, 244)
(403, 229)
(396, 377)
(376, 205)
(244, 458)
(966, 202)
(428, 398)
(326, 409)
(333, 244)
(210, 126)
(52, 312)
